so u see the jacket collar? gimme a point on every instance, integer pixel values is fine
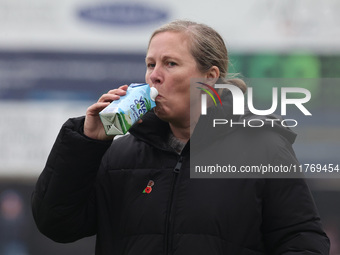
(153, 131)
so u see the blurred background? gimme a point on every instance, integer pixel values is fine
(58, 57)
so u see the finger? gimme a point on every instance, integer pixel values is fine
(120, 91)
(108, 98)
(124, 87)
(96, 108)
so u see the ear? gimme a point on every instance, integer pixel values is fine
(213, 73)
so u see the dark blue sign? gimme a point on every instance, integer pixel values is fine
(65, 75)
(123, 14)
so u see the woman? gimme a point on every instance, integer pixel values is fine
(135, 192)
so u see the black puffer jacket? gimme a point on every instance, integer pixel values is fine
(180, 216)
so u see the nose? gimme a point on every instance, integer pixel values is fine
(156, 76)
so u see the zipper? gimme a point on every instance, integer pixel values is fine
(169, 218)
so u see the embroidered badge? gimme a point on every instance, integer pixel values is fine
(148, 188)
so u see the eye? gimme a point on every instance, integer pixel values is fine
(150, 65)
(171, 63)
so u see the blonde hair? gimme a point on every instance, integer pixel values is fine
(207, 47)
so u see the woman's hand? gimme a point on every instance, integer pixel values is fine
(93, 126)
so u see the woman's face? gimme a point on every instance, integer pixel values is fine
(170, 66)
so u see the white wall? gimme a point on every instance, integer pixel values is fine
(247, 25)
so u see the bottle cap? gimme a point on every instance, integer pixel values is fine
(153, 93)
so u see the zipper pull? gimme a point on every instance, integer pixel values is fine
(178, 165)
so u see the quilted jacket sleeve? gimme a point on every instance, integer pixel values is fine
(291, 203)
(291, 223)
(63, 202)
